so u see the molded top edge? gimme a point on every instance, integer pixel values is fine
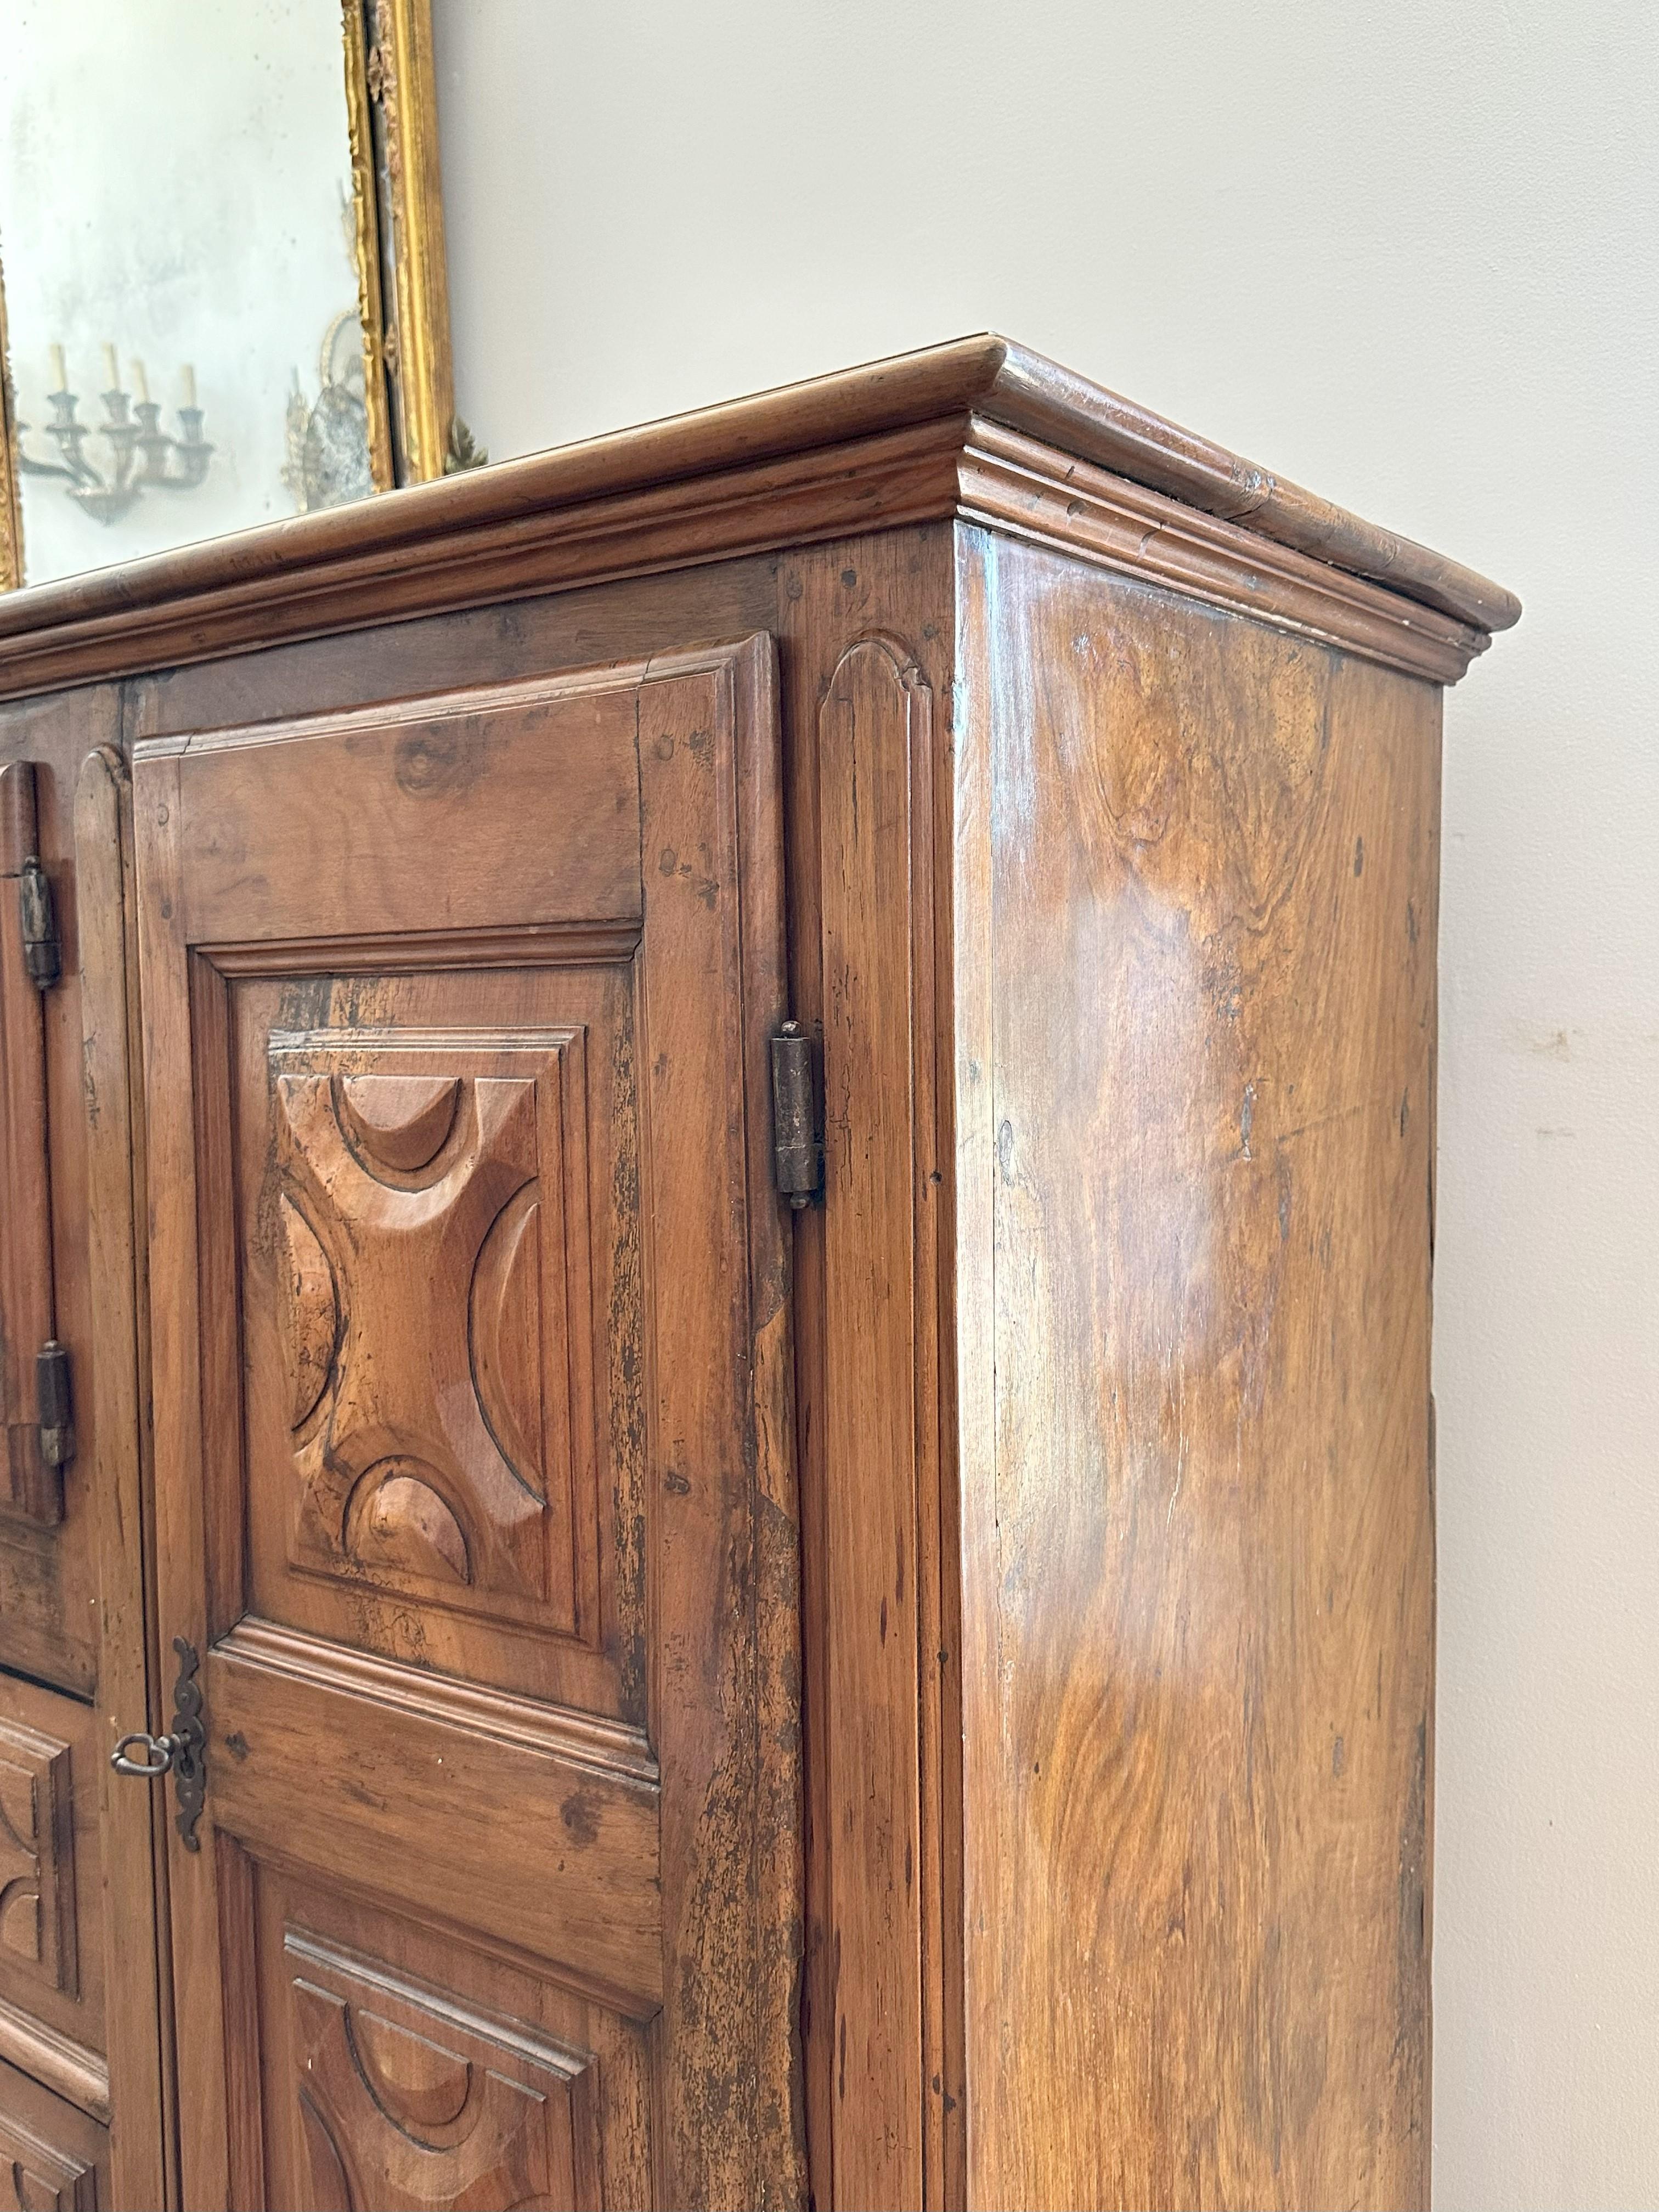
(984, 376)
(1039, 396)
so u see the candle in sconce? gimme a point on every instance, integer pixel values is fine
(59, 373)
(188, 374)
(140, 381)
(112, 372)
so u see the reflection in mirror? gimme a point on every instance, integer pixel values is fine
(202, 209)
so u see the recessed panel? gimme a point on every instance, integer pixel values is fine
(52, 2158)
(400, 2069)
(52, 1979)
(436, 1345)
(432, 839)
(37, 1873)
(406, 2097)
(434, 1239)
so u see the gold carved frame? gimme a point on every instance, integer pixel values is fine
(11, 510)
(403, 283)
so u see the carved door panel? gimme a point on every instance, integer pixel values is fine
(471, 1357)
(53, 2019)
(52, 2159)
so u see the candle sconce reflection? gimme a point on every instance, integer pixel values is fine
(142, 456)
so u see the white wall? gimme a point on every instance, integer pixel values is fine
(1405, 254)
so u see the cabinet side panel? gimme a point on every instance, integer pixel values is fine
(1198, 1564)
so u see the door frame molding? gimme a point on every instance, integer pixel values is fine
(143, 2156)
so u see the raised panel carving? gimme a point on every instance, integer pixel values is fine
(404, 2097)
(35, 2178)
(51, 2156)
(433, 1229)
(37, 1856)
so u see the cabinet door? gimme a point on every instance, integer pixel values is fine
(470, 1356)
(31, 1478)
(48, 1593)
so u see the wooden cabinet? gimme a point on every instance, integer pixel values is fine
(52, 2157)
(891, 1668)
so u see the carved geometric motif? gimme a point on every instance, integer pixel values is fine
(37, 1870)
(35, 2178)
(433, 1245)
(406, 2098)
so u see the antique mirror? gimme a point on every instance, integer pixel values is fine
(223, 291)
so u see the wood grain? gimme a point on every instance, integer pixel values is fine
(562, 632)
(870, 447)
(371, 1484)
(300, 866)
(491, 2066)
(28, 1484)
(882, 2084)
(114, 1447)
(874, 720)
(51, 2156)
(70, 1612)
(383, 1769)
(1109, 772)
(1044, 494)
(49, 1574)
(1200, 1563)
(52, 1963)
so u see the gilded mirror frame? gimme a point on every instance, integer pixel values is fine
(11, 511)
(403, 284)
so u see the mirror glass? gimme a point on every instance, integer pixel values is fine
(177, 253)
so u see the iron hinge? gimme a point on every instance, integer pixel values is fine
(51, 1386)
(42, 952)
(797, 1146)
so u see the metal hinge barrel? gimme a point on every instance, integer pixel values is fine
(42, 951)
(52, 1385)
(797, 1147)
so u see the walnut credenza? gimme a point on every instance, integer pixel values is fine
(733, 1610)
